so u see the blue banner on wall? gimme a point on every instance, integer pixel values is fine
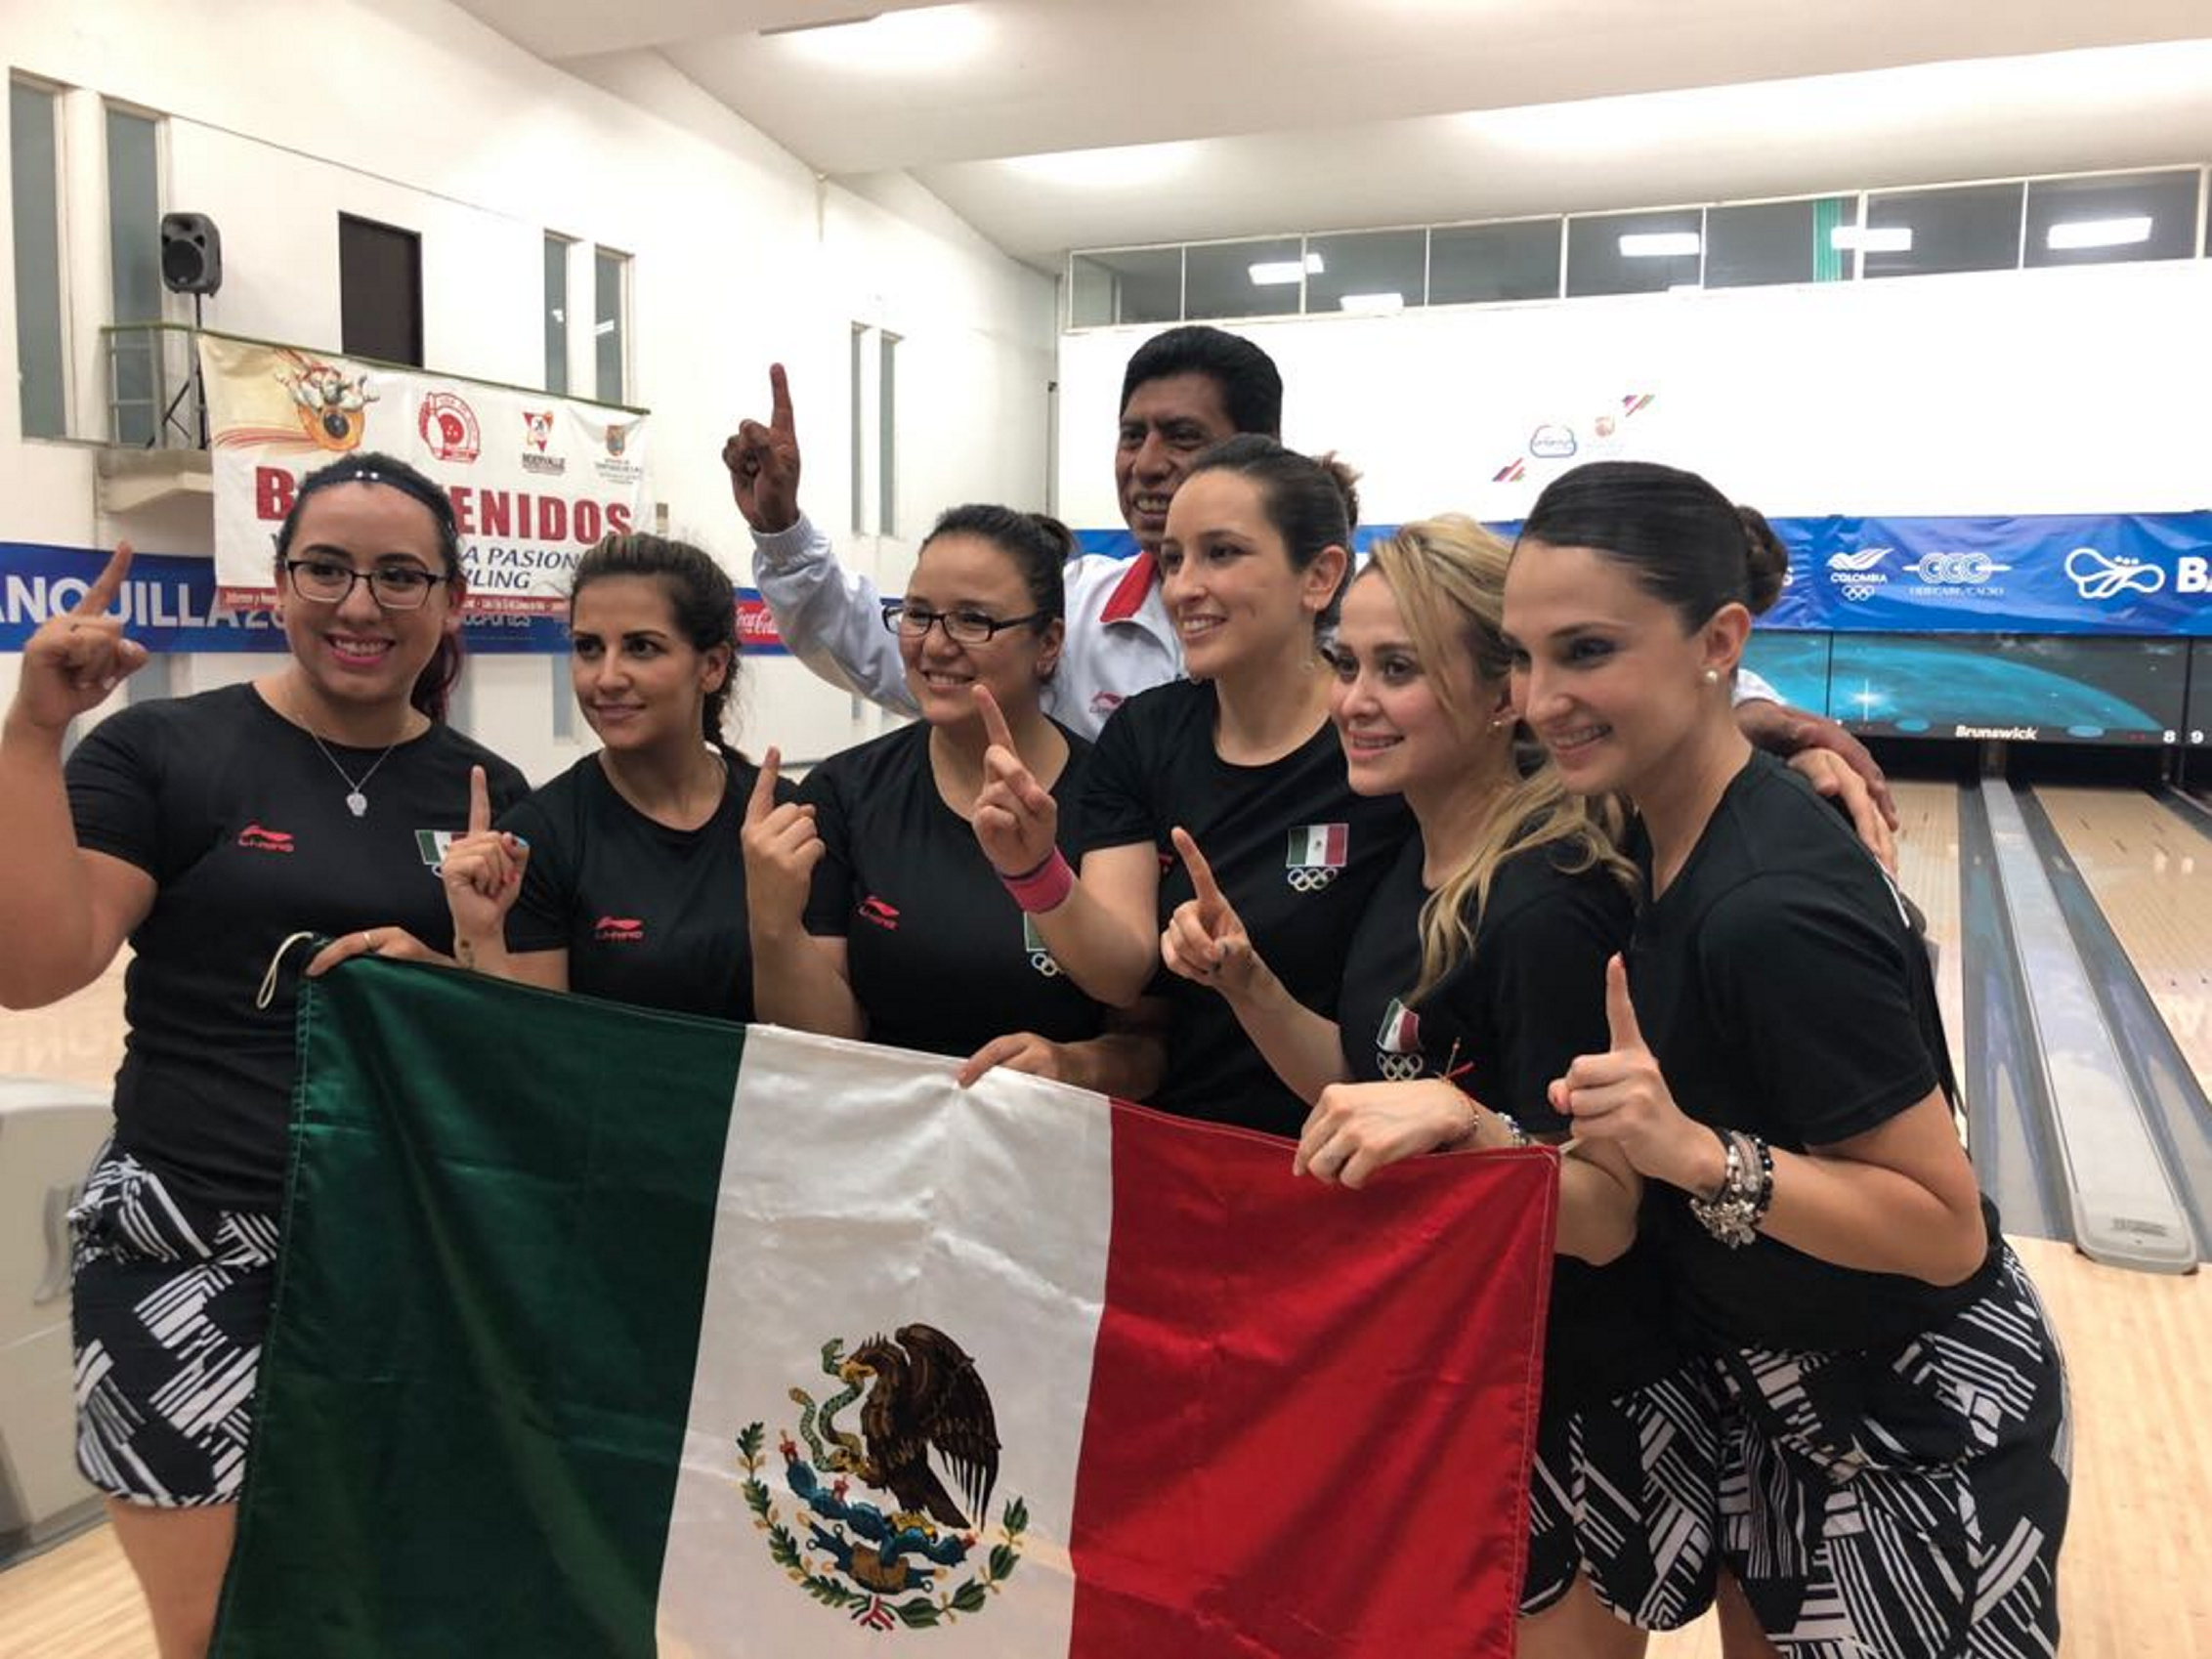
(2135, 574)
(168, 604)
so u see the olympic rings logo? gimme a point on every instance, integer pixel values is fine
(1310, 878)
(1399, 1068)
(1042, 963)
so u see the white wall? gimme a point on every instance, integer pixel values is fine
(411, 113)
(2055, 391)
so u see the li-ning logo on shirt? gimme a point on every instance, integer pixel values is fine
(886, 916)
(625, 929)
(1397, 1043)
(1317, 853)
(1040, 953)
(254, 838)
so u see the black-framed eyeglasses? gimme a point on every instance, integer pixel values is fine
(393, 588)
(963, 627)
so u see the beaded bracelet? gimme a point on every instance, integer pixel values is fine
(1734, 1211)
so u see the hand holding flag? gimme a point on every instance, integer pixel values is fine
(781, 847)
(1355, 1129)
(1017, 823)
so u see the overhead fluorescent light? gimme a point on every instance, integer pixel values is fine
(903, 43)
(1660, 245)
(1274, 273)
(1372, 305)
(1879, 239)
(2097, 232)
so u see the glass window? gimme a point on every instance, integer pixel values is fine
(1262, 279)
(886, 436)
(857, 435)
(1926, 232)
(608, 324)
(557, 313)
(134, 262)
(379, 290)
(34, 170)
(2104, 221)
(1635, 253)
(1373, 271)
(1127, 285)
(1780, 241)
(1470, 264)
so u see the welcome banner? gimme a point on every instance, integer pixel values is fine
(535, 479)
(601, 1332)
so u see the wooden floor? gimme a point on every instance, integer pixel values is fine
(2152, 874)
(1928, 870)
(2136, 1580)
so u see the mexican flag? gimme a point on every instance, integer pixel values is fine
(603, 1332)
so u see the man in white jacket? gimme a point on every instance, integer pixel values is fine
(1184, 391)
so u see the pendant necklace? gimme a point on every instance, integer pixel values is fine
(356, 802)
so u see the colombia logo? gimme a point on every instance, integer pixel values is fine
(618, 928)
(255, 839)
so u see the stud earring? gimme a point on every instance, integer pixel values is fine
(1712, 677)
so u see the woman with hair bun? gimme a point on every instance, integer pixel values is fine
(622, 877)
(1893, 1473)
(1239, 760)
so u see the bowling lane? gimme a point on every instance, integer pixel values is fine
(1928, 869)
(2151, 876)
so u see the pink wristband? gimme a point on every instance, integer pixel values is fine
(1045, 888)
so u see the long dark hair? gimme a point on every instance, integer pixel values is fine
(433, 689)
(700, 597)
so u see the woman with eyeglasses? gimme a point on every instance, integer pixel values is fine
(622, 877)
(874, 912)
(205, 829)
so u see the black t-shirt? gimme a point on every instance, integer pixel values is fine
(243, 824)
(1783, 993)
(1294, 849)
(1514, 1013)
(648, 914)
(941, 956)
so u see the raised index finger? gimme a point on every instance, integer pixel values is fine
(763, 798)
(1210, 905)
(780, 399)
(479, 802)
(995, 725)
(108, 584)
(1619, 1011)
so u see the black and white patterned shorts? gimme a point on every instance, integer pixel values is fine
(1627, 1494)
(170, 1301)
(1907, 1502)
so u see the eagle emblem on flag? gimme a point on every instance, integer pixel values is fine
(928, 1442)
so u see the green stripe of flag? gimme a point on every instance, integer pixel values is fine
(540, 1307)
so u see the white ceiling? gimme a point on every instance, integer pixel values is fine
(1050, 124)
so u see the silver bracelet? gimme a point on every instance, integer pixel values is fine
(1515, 1136)
(1733, 1213)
